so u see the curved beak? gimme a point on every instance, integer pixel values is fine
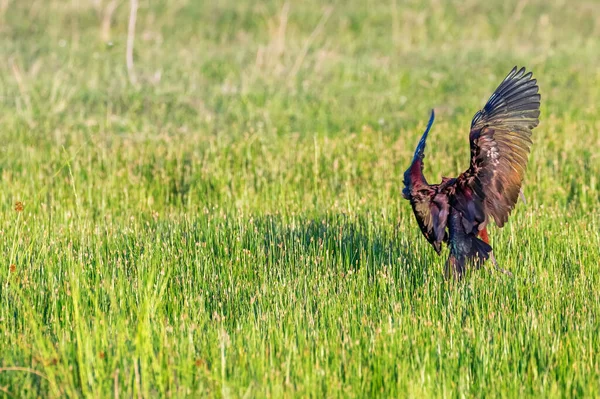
(419, 152)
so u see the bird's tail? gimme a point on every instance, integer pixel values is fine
(470, 251)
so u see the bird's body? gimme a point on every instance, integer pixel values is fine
(457, 210)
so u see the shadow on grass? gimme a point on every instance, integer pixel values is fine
(341, 243)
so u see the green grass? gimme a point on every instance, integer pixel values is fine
(232, 225)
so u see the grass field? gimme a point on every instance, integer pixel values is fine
(226, 219)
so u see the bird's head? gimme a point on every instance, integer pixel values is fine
(413, 177)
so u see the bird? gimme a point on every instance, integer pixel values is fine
(458, 210)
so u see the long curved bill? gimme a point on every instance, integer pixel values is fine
(419, 152)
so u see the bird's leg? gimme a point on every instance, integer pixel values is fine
(497, 267)
(522, 196)
(486, 238)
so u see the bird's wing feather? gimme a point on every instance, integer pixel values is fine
(500, 141)
(431, 215)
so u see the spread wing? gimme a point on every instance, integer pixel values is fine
(500, 143)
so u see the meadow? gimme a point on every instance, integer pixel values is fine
(220, 214)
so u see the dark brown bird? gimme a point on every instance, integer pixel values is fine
(457, 210)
